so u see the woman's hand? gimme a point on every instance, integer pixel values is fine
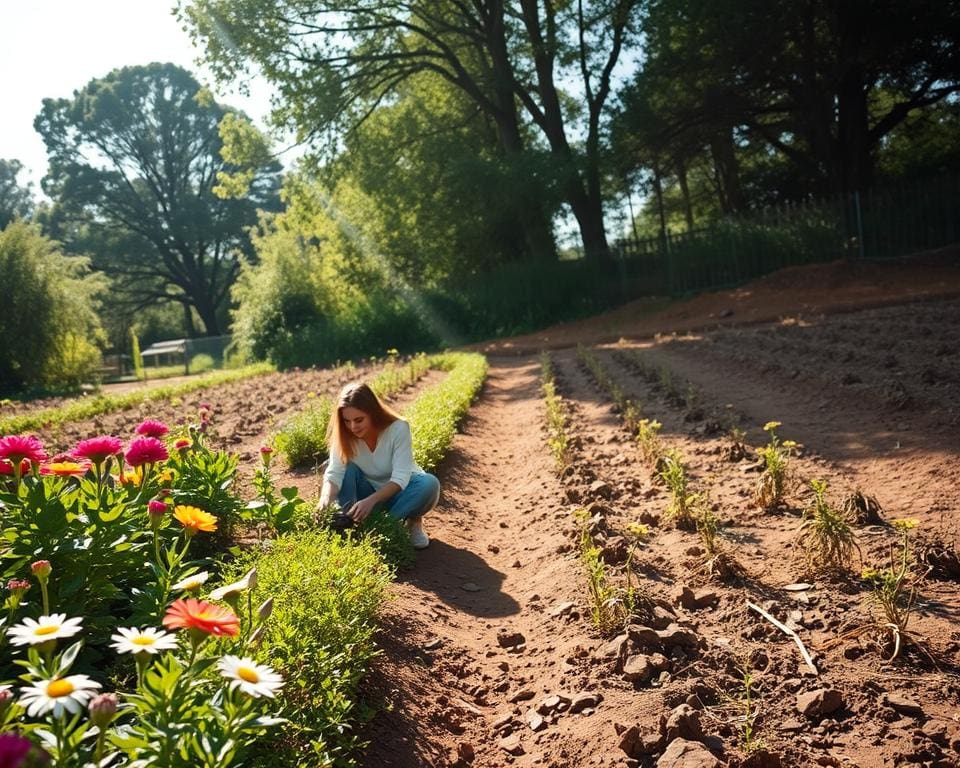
(362, 509)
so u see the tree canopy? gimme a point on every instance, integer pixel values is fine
(134, 163)
(16, 201)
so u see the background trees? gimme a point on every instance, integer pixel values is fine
(134, 162)
(16, 201)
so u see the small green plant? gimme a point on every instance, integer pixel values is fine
(648, 438)
(825, 533)
(717, 560)
(751, 710)
(556, 414)
(606, 611)
(683, 503)
(895, 591)
(772, 485)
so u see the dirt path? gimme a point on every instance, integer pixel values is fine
(501, 563)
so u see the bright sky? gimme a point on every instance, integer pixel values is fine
(53, 47)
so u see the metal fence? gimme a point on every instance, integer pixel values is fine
(884, 223)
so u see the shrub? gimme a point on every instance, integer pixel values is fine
(49, 323)
(825, 533)
(201, 363)
(327, 593)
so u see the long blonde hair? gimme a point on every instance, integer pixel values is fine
(356, 395)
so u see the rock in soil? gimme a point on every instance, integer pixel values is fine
(507, 639)
(816, 704)
(687, 754)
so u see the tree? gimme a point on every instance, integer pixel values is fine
(335, 62)
(134, 164)
(15, 201)
(823, 82)
(49, 321)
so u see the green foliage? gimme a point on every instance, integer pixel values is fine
(201, 363)
(16, 202)
(303, 438)
(391, 538)
(436, 413)
(648, 438)
(49, 324)
(85, 409)
(327, 592)
(895, 587)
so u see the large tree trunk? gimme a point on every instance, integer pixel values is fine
(728, 171)
(681, 168)
(208, 314)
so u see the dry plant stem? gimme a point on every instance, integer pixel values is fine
(807, 658)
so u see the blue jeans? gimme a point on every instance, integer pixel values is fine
(419, 497)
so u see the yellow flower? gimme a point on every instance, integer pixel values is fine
(789, 443)
(771, 425)
(639, 530)
(905, 523)
(194, 519)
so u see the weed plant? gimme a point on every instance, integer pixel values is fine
(683, 504)
(825, 533)
(895, 590)
(648, 438)
(772, 484)
(629, 409)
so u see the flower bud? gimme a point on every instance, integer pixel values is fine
(41, 569)
(102, 709)
(182, 444)
(266, 453)
(265, 609)
(256, 638)
(156, 508)
(6, 696)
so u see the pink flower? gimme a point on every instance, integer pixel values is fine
(182, 444)
(266, 450)
(152, 428)
(16, 448)
(96, 449)
(156, 508)
(41, 568)
(145, 450)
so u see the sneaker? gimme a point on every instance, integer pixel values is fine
(419, 538)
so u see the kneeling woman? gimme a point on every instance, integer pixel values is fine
(371, 464)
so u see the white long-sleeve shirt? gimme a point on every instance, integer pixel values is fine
(390, 461)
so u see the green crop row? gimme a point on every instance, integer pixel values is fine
(88, 408)
(435, 414)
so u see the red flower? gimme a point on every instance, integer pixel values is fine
(97, 449)
(156, 508)
(189, 613)
(6, 468)
(182, 443)
(145, 450)
(152, 428)
(16, 448)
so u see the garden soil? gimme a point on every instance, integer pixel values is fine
(490, 657)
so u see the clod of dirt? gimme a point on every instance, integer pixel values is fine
(508, 639)
(584, 701)
(675, 635)
(941, 559)
(511, 745)
(684, 723)
(694, 601)
(638, 669)
(637, 741)
(687, 754)
(902, 704)
(818, 703)
(601, 489)
(535, 721)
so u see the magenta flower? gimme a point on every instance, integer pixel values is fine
(16, 751)
(152, 428)
(145, 450)
(97, 449)
(156, 507)
(16, 448)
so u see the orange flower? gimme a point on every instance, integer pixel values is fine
(190, 613)
(65, 468)
(194, 519)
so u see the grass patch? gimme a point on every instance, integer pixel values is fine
(556, 414)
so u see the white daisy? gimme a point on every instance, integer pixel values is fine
(60, 694)
(36, 631)
(254, 679)
(230, 590)
(147, 640)
(192, 583)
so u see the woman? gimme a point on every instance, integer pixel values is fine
(371, 464)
